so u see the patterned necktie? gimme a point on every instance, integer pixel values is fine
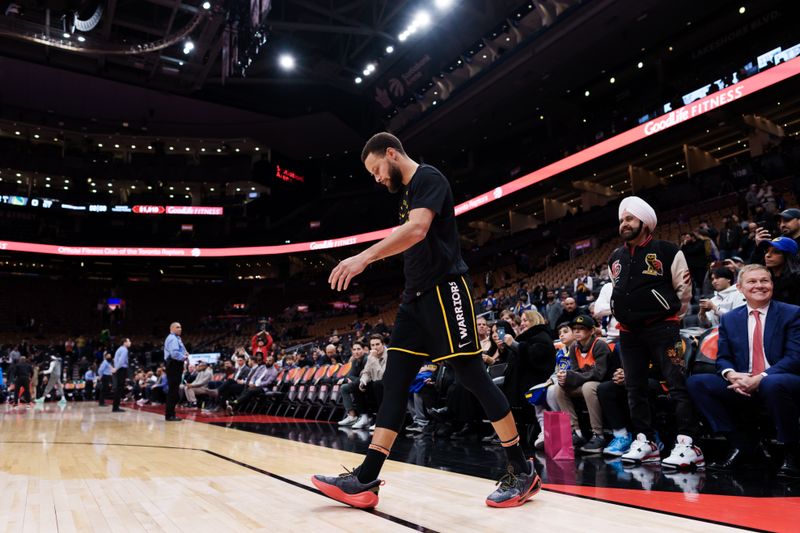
(758, 347)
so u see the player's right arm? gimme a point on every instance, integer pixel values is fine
(403, 238)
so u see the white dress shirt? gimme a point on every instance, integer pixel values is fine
(751, 327)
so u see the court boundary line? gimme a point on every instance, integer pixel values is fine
(375, 512)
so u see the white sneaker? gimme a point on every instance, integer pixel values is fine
(348, 420)
(39, 400)
(372, 428)
(642, 451)
(539, 443)
(684, 455)
(363, 422)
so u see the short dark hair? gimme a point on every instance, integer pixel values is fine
(379, 143)
(723, 272)
(357, 342)
(377, 337)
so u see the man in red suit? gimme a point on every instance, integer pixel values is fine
(758, 364)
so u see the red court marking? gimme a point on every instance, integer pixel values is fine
(773, 514)
(198, 416)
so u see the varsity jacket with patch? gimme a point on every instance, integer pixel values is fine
(651, 283)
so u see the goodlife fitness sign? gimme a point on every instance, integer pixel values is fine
(177, 210)
(744, 88)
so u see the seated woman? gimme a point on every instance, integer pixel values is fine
(531, 358)
(543, 395)
(781, 261)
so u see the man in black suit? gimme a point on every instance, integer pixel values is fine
(758, 361)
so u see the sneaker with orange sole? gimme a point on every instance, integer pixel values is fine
(347, 489)
(514, 489)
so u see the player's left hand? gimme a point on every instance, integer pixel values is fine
(343, 274)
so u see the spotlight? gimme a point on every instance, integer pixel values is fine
(81, 39)
(188, 47)
(612, 80)
(358, 80)
(639, 64)
(286, 62)
(403, 36)
(587, 93)
(389, 49)
(742, 10)
(206, 5)
(422, 19)
(66, 35)
(443, 4)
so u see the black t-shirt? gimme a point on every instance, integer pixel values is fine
(438, 255)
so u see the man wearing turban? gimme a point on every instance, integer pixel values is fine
(652, 291)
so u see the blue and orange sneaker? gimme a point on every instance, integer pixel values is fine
(515, 489)
(346, 488)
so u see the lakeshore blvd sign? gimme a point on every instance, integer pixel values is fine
(762, 80)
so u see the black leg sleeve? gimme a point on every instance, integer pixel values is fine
(401, 369)
(471, 373)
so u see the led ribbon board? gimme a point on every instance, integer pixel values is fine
(733, 93)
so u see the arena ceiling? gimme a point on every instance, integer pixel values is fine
(535, 47)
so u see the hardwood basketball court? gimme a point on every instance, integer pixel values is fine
(83, 468)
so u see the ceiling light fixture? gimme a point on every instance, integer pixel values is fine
(286, 61)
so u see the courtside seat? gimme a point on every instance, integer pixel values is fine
(69, 390)
(294, 390)
(335, 398)
(310, 401)
(276, 396)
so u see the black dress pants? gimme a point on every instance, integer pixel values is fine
(174, 372)
(120, 377)
(105, 385)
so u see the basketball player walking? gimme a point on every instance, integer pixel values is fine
(435, 322)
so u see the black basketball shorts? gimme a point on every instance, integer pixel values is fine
(438, 324)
